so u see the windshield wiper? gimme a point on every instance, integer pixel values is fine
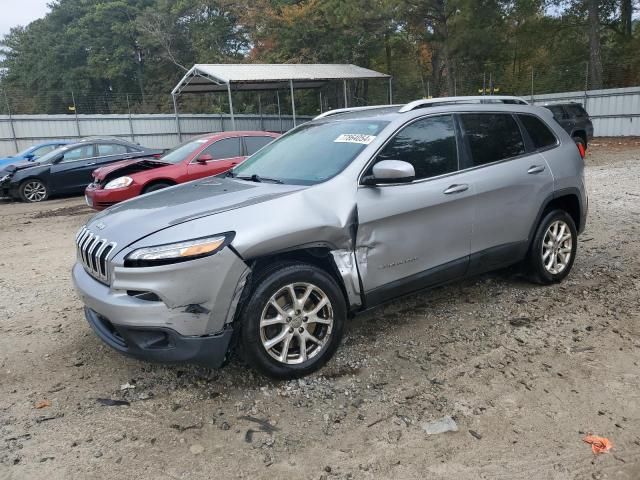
(257, 178)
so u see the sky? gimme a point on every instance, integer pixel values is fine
(20, 12)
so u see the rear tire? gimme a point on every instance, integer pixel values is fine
(33, 191)
(155, 187)
(288, 338)
(553, 249)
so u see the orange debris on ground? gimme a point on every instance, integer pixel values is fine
(43, 404)
(598, 444)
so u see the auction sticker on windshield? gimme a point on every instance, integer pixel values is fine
(355, 138)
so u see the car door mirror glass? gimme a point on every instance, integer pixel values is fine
(391, 171)
(204, 158)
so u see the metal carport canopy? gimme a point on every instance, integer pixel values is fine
(209, 78)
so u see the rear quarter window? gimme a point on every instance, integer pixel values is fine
(540, 134)
(576, 110)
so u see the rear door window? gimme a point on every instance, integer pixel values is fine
(539, 133)
(225, 148)
(558, 112)
(492, 137)
(78, 153)
(428, 144)
(256, 143)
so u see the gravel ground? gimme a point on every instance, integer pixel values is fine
(525, 372)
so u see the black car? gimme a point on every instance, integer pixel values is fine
(66, 170)
(574, 119)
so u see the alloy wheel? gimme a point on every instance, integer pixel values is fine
(557, 247)
(35, 191)
(296, 323)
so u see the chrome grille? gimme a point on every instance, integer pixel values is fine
(94, 254)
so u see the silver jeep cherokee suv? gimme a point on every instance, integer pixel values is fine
(339, 215)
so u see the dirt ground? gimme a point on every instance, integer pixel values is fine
(525, 371)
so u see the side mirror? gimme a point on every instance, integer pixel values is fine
(29, 156)
(390, 171)
(204, 158)
(58, 159)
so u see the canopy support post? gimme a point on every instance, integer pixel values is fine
(233, 118)
(279, 112)
(175, 111)
(293, 104)
(390, 90)
(320, 101)
(344, 88)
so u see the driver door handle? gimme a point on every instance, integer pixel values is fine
(456, 189)
(536, 169)
(92, 163)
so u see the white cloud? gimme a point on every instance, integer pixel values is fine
(20, 12)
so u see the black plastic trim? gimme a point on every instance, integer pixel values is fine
(162, 344)
(429, 278)
(497, 257)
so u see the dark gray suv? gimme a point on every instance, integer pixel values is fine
(575, 121)
(337, 216)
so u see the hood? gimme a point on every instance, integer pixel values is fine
(20, 164)
(126, 167)
(139, 217)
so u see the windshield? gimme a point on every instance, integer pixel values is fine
(25, 151)
(312, 153)
(182, 151)
(48, 157)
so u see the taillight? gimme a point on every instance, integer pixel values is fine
(581, 150)
(157, 155)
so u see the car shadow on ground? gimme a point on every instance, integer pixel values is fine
(376, 325)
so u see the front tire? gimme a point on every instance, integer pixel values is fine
(293, 321)
(33, 190)
(554, 247)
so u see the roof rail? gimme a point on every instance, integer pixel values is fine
(435, 102)
(337, 111)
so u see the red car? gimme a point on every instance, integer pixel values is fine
(200, 157)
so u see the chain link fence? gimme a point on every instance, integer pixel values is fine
(465, 80)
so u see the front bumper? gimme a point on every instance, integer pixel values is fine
(98, 198)
(188, 305)
(162, 344)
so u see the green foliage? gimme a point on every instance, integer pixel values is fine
(103, 48)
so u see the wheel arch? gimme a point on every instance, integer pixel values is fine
(321, 256)
(157, 181)
(567, 200)
(582, 134)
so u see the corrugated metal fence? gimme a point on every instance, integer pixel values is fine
(159, 131)
(615, 112)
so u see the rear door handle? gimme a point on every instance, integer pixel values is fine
(536, 169)
(456, 189)
(92, 163)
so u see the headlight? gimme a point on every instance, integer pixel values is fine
(119, 182)
(177, 252)
(5, 178)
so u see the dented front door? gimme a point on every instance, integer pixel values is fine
(413, 235)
